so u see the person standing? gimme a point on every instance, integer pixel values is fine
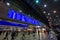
(52, 35)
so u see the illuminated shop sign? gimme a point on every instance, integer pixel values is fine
(5, 23)
(21, 17)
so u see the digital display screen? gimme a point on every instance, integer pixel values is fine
(19, 16)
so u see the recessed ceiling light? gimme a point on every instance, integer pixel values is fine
(20, 10)
(37, 1)
(48, 19)
(54, 11)
(48, 13)
(45, 5)
(8, 4)
(44, 12)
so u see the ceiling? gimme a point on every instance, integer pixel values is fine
(29, 9)
(51, 7)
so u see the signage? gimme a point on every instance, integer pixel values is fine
(21, 17)
(5, 23)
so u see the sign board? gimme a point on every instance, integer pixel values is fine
(5, 23)
(21, 17)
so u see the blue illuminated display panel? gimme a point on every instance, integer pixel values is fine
(18, 16)
(12, 24)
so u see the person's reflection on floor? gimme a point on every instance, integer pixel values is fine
(0, 32)
(14, 34)
(6, 36)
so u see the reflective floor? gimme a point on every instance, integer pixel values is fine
(23, 36)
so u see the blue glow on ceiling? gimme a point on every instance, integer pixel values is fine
(19, 16)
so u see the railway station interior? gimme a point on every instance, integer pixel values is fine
(29, 19)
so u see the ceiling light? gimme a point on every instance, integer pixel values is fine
(44, 12)
(20, 10)
(48, 19)
(48, 13)
(8, 4)
(37, 1)
(54, 11)
(45, 5)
